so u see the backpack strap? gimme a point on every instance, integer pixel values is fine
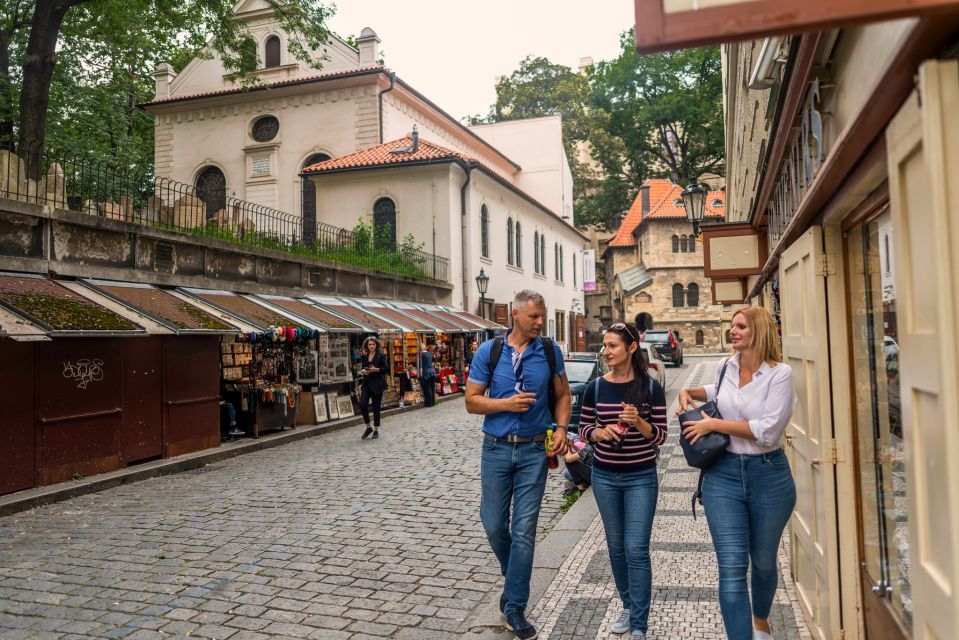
(495, 351)
(550, 354)
(698, 495)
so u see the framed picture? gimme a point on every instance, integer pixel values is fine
(344, 406)
(319, 405)
(332, 411)
(307, 367)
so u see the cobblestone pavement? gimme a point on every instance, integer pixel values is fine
(327, 538)
(581, 602)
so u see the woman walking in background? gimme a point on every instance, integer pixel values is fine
(624, 414)
(427, 375)
(748, 494)
(374, 368)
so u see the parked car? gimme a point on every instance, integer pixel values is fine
(581, 369)
(668, 346)
(657, 368)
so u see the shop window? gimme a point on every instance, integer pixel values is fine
(675, 244)
(384, 223)
(692, 295)
(309, 200)
(509, 241)
(272, 52)
(700, 338)
(677, 295)
(484, 231)
(519, 245)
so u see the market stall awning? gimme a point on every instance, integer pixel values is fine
(371, 322)
(437, 312)
(312, 313)
(60, 311)
(260, 315)
(480, 322)
(381, 308)
(176, 314)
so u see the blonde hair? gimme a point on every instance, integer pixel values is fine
(764, 336)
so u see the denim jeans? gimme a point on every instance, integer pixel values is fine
(512, 474)
(627, 503)
(748, 500)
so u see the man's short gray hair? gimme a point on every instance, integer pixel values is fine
(528, 295)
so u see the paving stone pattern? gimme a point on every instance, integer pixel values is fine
(327, 538)
(685, 602)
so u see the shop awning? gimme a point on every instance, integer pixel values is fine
(312, 313)
(410, 323)
(60, 311)
(180, 316)
(480, 322)
(249, 310)
(370, 322)
(437, 312)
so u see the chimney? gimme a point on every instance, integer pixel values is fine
(585, 63)
(416, 140)
(163, 75)
(368, 45)
(644, 199)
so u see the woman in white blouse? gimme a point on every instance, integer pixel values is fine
(748, 494)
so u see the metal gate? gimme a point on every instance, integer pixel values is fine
(141, 436)
(191, 394)
(17, 437)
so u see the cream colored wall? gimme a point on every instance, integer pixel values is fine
(536, 144)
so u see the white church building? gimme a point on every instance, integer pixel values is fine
(354, 141)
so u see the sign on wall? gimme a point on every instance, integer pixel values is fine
(589, 270)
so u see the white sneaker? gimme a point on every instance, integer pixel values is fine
(762, 635)
(621, 624)
(637, 635)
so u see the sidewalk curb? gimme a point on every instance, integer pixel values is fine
(40, 496)
(486, 622)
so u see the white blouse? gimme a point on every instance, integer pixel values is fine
(766, 403)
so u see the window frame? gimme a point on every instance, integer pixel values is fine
(509, 241)
(267, 53)
(484, 231)
(681, 298)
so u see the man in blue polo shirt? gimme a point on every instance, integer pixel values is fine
(513, 468)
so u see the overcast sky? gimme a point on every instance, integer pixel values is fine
(452, 51)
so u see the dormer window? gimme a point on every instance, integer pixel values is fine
(717, 204)
(678, 202)
(272, 56)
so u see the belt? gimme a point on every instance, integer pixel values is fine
(539, 437)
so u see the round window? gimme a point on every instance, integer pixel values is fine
(265, 129)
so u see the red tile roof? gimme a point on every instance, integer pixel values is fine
(663, 199)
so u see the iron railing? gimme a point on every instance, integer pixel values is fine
(133, 193)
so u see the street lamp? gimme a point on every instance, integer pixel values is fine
(482, 283)
(694, 201)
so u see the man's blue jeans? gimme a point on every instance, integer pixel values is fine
(627, 503)
(513, 473)
(748, 500)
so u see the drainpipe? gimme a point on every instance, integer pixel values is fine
(379, 98)
(467, 169)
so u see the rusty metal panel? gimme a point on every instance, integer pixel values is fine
(191, 394)
(141, 431)
(17, 435)
(79, 398)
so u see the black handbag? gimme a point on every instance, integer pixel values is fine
(709, 448)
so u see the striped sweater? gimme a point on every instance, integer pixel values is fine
(602, 408)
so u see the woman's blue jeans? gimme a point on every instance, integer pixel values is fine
(748, 500)
(627, 503)
(512, 474)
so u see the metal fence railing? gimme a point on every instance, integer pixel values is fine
(135, 194)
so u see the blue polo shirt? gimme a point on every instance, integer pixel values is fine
(533, 367)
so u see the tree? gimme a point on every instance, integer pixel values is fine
(666, 109)
(123, 37)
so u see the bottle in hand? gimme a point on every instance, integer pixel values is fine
(623, 428)
(552, 460)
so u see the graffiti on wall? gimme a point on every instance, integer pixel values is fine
(84, 371)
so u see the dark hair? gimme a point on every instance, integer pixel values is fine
(366, 341)
(638, 392)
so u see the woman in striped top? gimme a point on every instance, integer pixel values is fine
(624, 413)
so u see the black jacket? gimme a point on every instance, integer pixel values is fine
(375, 382)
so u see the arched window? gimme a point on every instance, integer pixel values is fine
(677, 295)
(888, 263)
(272, 52)
(542, 253)
(509, 241)
(309, 200)
(556, 261)
(384, 223)
(211, 189)
(682, 244)
(519, 245)
(729, 337)
(691, 244)
(645, 297)
(692, 295)
(562, 266)
(574, 269)
(484, 231)
(700, 338)
(536, 257)
(675, 244)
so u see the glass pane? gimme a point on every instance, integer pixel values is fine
(878, 416)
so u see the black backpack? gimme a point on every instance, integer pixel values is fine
(496, 350)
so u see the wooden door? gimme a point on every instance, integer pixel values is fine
(923, 162)
(812, 529)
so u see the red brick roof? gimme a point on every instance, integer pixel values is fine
(665, 201)
(384, 155)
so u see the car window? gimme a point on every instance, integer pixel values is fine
(661, 336)
(579, 370)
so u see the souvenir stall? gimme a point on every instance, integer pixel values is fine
(260, 368)
(447, 344)
(481, 331)
(327, 376)
(459, 342)
(372, 325)
(404, 348)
